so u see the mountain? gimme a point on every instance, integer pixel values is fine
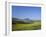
(26, 20)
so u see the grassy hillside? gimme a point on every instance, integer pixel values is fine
(30, 26)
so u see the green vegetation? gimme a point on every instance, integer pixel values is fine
(29, 26)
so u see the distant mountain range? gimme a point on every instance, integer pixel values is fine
(26, 20)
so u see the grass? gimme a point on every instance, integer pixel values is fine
(33, 26)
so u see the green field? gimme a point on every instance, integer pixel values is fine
(33, 26)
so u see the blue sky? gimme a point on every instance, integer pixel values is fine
(22, 12)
